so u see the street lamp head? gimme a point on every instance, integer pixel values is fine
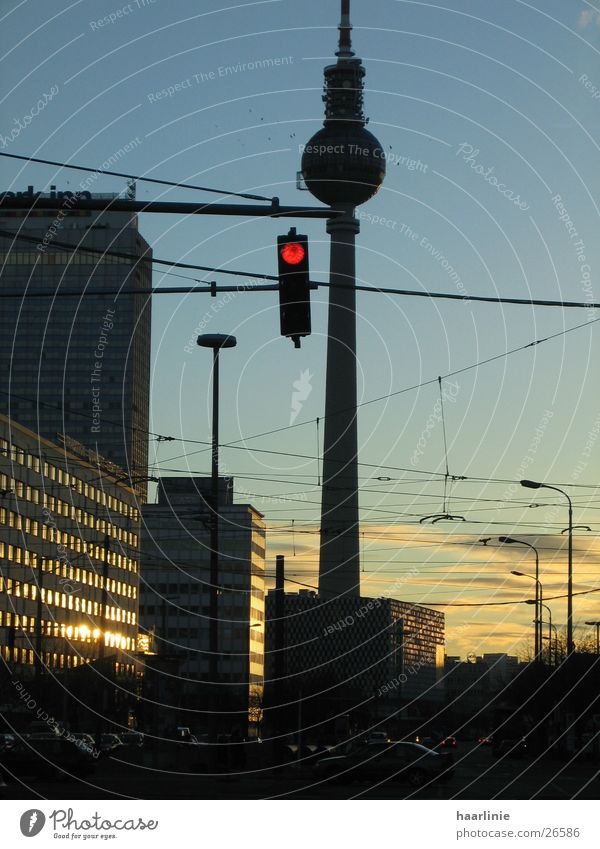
(531, 484)
(519, 574)
(530, 601)
(507, 539)
(597, 624)
(216, 340)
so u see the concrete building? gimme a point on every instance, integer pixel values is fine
(71, 365)
(384, 649)
(502, 669)
(174, 606)
(72, 535)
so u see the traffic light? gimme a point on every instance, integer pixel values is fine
(294, 286)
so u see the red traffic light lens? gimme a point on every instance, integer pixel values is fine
(293, 253)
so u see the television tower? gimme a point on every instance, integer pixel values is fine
(343, 165)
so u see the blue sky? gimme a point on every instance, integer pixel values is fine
(509, 87)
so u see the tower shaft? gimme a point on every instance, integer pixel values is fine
(339, 563)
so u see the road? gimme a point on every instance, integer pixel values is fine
(478, 775)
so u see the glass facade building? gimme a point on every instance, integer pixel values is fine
(77, 365)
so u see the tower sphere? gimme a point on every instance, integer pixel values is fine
(343, 163)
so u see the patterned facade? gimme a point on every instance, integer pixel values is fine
(69, 539)
(382, 647)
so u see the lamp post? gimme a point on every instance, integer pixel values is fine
(555, 629)
(216, 341)
(597, 627)
(550, 626)
(536, 485)
(538, 588)
(538, 612)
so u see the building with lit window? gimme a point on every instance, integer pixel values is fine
(77, 365)
(69, 576)
(175, 599)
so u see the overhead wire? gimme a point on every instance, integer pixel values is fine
(394, 394)
(137, 178)
(541, 302)
(141, 258)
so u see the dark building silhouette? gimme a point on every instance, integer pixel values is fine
(370, 655)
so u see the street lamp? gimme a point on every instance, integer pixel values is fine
(550, 626)
(555, 629)
(538, 611)
(536, 485)
(538, 588)
(597, 626)
(216, 341)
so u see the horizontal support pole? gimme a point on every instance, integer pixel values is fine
(175, 290)
(72, 204)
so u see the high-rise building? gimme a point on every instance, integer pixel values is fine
(175, 598)
(77, 365)
(69, 574)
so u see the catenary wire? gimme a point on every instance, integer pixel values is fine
(133, 177)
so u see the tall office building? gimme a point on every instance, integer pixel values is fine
(77, 365)
(175, 599)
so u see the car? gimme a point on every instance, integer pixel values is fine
(377, 737)
(427, 741)
(510, 748)
(109, 742)
(183, 732)
(83, 741)
(7, 741)
(39, 727)
(486, 740)
(43, 735)
(190, 740)
(410, 763)
(132, 738)
(448, 743)
(46, 757)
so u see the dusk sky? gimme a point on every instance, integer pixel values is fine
(489, 114)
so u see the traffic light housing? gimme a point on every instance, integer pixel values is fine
(294, 286)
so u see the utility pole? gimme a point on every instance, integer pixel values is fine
(279, 661)
(215, 341)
